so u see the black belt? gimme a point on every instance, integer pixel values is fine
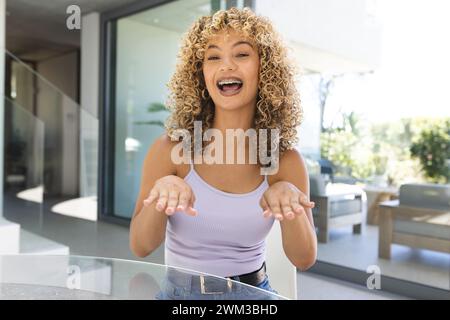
(253, 278)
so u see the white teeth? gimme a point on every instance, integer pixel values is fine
(223, 82)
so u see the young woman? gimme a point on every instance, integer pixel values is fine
(233, 73)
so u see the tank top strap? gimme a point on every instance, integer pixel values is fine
(191, 163)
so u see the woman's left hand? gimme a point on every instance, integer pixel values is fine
(284, 200)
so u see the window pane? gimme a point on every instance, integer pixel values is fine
(147, 46)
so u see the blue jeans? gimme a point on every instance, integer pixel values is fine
(266, 285)
(184, 288)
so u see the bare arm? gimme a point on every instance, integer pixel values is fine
(290, 205)
(148, 225)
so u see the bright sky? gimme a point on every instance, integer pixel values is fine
(414, 76)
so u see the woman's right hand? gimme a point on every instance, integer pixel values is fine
(172, 194)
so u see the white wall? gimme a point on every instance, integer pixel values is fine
(90, 77)
(90, 58)
(328, 34)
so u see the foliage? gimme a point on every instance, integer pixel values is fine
(432, 148)
(366, 150)
(343, 146)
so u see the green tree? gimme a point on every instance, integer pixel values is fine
(432, 148)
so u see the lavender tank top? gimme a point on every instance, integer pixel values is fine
(226, 238)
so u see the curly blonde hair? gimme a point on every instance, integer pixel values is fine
(278, 102)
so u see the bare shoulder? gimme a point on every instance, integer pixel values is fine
(158, 155)
(291, 167)
(291, 157)
(164, 141)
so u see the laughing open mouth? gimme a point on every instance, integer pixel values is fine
(229, 86)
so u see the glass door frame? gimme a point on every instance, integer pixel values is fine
(108, 38)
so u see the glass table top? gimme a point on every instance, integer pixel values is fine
(62, 277)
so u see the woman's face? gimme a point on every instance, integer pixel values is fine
(231, 70)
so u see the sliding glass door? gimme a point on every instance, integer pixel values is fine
(145, 46)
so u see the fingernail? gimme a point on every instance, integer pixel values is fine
(180, 208)
(290, 215)
(169, 210)
(279, 216)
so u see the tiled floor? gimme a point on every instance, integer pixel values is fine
(358, 251)
(110, 240)
(312, 286)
